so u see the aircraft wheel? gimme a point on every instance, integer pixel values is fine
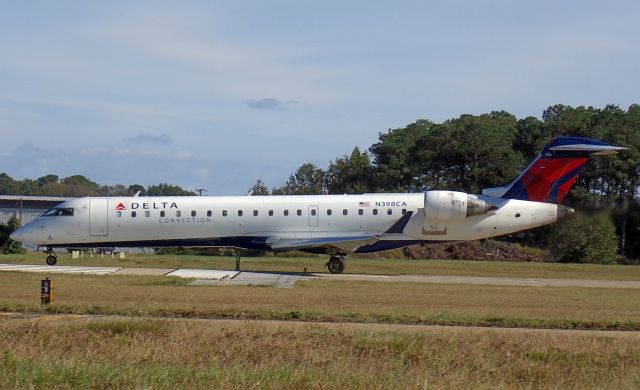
(51, 260)
(335, 265)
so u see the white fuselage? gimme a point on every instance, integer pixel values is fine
(273, 222)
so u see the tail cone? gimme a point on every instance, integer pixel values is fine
(564, 212)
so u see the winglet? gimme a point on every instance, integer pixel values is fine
(398, 227)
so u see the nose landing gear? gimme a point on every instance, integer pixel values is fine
(51, 259)
(335, 265)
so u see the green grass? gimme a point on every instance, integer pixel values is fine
(63, 352)
(161, 345)
(381, 267)
(333, 300)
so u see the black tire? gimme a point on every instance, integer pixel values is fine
(335, 265)
(51, 260)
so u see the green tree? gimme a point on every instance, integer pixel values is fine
(470, 153)
(7, 185)
(394, 156)
(78, 180)
(307, 180)
(164, 189)
(531, 136)
(258, 189)
(7, 245)
(584, 239)
(44, 180)
(351, 174)
(76, 186)
(135, 188)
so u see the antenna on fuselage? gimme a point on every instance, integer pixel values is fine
(199, 191)
(136, 194)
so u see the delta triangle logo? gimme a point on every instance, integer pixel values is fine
(120, 207)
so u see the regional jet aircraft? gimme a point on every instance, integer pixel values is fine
(335, 225)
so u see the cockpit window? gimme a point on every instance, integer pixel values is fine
(59, 212)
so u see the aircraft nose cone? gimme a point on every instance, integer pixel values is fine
(565, 212)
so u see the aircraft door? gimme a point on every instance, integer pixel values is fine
(98, 217)
(313, 215)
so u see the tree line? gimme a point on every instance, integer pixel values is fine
(473, 152)
(78, 185)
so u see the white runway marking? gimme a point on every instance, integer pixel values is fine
(201, 273)
(60, 269)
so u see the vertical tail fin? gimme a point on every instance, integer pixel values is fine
(550, 176)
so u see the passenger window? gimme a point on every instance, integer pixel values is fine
(224, 213)
(360, 211)
(313, 212)
(404, 211)
(389, 211)
(178, 213)
(299, 212)
(239, 213)
(286, 213)
(209, 213)
(345, 212)
(133, 214)
(119, 214)
(375, 211)
(271, 213)
(147, 213)
(255, 213)
(328, 211)
(193, 213)
(162, 213)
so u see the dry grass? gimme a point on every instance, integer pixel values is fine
(355, 301)
(386, 267)
(129, 353)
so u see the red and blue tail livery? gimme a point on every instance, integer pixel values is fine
(550, 176)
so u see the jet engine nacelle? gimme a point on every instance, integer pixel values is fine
(451, 206)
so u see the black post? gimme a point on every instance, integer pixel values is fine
(237, 262)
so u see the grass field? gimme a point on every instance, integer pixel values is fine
(332, 300)
(159, 343)
(63, 352)
(387, 267)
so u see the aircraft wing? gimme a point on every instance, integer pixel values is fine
(347, 243)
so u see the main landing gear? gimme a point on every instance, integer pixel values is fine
(51, 259)
(335, 265)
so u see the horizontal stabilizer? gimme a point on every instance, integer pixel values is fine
(596, 150)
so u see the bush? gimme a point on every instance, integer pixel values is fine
(8, 245)
(584, 239)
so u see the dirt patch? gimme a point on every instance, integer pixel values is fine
(465, 250)
(475, 250)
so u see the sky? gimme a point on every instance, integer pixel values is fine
(218, 94)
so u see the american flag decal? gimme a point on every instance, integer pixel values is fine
(363, 204)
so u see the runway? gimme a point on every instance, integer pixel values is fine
(202, 277)
(209, 277)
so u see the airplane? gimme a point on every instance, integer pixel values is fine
(335, 225)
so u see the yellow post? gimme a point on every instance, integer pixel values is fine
(46, 292)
